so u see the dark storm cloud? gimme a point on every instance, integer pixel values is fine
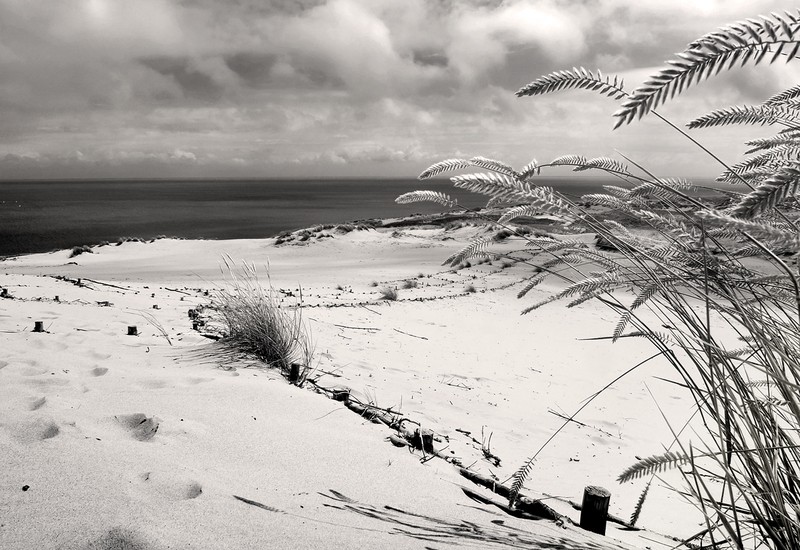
(194, 83)
(437, 59)
(252, 67)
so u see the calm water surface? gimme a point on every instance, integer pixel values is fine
(44, 216)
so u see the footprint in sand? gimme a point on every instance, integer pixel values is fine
(140, 426)
(34, 371)
(46, 382)
(197, 380)
(35, 430)
(170, 487)
(152, 384)
(99, 356)
(118, 537)
(98, 371)
(35, 403)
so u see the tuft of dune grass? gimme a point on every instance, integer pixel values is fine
(78, 250)
(258, 324)
(388, 293)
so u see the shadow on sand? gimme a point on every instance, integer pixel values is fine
(461, 533)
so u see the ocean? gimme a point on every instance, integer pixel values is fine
(44, 216)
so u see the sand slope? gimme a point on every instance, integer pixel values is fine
(109, 437)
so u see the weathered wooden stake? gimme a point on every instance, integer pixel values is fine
(423, 439)
(133, 331)
(294, 372)
(195, 325)
(594, 510)
(340, 394)
(38, 326)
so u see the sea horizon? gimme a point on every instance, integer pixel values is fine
(45, 215)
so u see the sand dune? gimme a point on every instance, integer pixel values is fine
(159, 440)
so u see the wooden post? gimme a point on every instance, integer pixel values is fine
(57, 299)
(423, 439)
(38, 326)
(132, 331)
(594, 510)
(340, 394)
(195, 325)
(294, 372)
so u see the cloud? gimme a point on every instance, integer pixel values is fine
(482, 38)
(377, 84)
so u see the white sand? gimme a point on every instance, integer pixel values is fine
(79, 404)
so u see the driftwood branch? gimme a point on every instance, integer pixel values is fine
(612, 518)
(356, 328)
(524, 503)
(105, 284)
(258, 504)
(176, 290)
(412, 335)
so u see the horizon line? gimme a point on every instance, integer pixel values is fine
(583, 176)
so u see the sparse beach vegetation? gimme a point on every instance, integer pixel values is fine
(257, 323)
(78, 250)
(388, 293)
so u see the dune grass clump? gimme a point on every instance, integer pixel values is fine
(410, 283)
(78, 250)
(388, 293)
(259, 324)
(502, 235)
(728, 325)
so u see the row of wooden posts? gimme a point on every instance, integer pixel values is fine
(38, 326)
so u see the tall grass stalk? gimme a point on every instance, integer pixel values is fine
(706, 285)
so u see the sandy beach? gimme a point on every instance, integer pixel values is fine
(164, 440)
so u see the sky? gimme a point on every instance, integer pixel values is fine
(347, 88)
